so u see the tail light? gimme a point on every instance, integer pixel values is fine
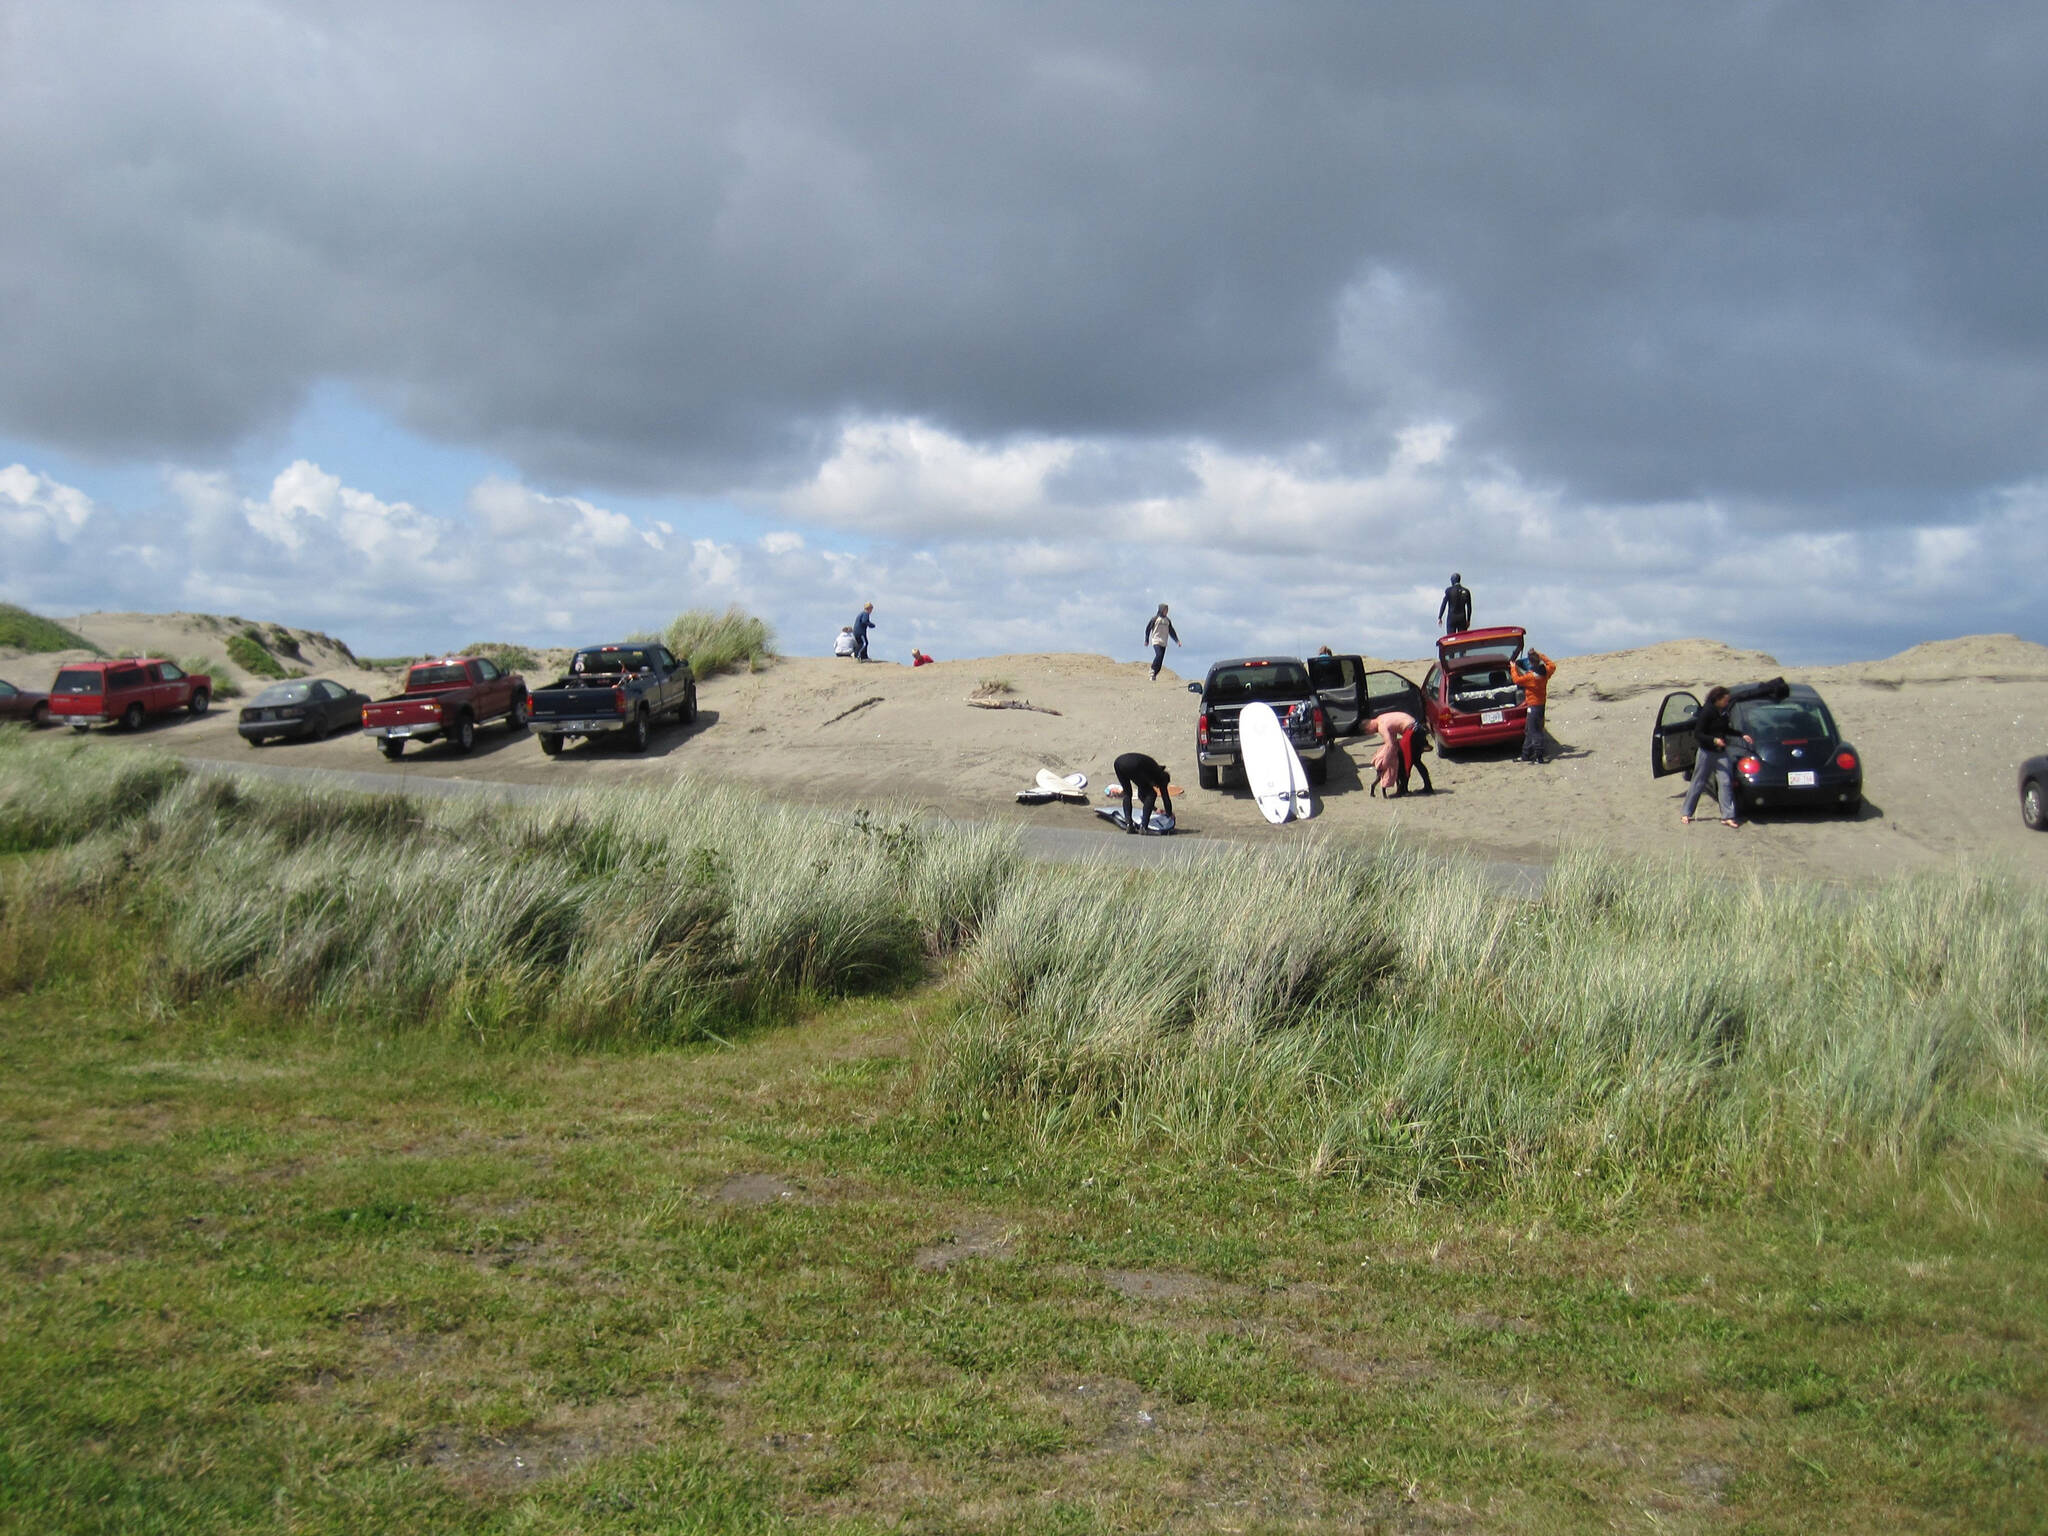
(1322, 723)
(619, 700)
(1845, 759)
(1749, 767)
(1202, 729)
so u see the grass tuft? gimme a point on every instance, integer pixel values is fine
(732, 641)
(247, 651)
(25, 631)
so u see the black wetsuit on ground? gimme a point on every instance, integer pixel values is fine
(1143, 780)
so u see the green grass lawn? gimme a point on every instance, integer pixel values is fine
(279, 1281)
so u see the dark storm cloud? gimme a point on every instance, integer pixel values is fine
(1779, 252)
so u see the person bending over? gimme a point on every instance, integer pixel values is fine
(1142, 780)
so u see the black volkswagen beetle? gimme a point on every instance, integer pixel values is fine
(2034, 793)
(312, 706)
(1799, 757)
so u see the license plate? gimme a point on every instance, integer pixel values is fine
(1802, 779)
(401, 730)
(1493, 717)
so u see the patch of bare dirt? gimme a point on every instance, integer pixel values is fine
(755, 1189)
(978, 1241)
(1165, 1285)
(566, 1438)
(1104, 1414)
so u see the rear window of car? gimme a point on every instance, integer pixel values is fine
(284, 693)
(1278, 680)
(431, 677)
(79, 682)
(1784, 720)
(612, 660)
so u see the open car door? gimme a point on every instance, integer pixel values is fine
(1390, 690)
(1673, 746)
(1338, 683)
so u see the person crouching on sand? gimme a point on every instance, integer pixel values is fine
(1157, 633)
(843, 646)
(1142, 780)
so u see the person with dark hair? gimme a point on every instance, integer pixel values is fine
(1715, 733)
(1142, 779)
(862, 623)
(1455, 611)
(1534, 681)
(1158, 631)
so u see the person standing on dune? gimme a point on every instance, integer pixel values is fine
(1455, 611)
(1157, 633)
(862, 623)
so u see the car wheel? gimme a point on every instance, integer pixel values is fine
(688, 713)
(200, 699)
(257, 741)
(464, 736)
(2034, 805)
(1318, 770)
(520, 714)
(131, 718)
(39, 717)
(1207, 776)
(392, 747)
(551, 746)
(637, 734)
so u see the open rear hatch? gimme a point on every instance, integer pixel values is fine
(1481, 645)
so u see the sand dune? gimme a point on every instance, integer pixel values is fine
(1942, 728)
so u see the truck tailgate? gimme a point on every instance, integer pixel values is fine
(389, 712)
(573, 704)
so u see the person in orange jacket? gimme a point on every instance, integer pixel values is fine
(1534, 681)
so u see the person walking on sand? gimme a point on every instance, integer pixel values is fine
(1534, 681)
(1144, 781)
(862, 623)
(1455, 611)
(1157, 633)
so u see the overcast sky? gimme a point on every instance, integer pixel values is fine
(426, 323)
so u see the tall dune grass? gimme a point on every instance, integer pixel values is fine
(613, 915)
(1372, 1014)
(732, 641)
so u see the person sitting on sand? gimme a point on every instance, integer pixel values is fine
(843, 646)
(1142, 779)
(918, 658)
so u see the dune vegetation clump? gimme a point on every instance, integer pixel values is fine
(25, 631)
(508, 657)
(224, 687)
(641, 915)
(249, 653)
(732, 641)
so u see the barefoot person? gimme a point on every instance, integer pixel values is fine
(1394, 727)
(1142, 779)
(1157, 633)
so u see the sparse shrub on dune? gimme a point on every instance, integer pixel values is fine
(31, 632)
(732, 641)
(247, 651)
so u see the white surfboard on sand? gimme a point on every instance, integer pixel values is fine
(1297, 782)
(1062, 784)
(1267, 753)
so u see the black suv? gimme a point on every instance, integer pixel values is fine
(1281, 681)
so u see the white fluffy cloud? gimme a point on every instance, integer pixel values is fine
(34, 509)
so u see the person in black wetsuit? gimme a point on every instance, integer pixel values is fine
(1143, 780)
(1455, 611)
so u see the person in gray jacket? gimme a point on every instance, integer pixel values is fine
(1157, 633)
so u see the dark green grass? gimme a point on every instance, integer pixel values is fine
(247, 651)
(26, 631)
(278, 1283)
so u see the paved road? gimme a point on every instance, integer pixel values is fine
(1065, 845)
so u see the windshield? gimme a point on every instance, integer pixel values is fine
(78, 682)
(285, 693)
(435, 677)
(611, 659)
(1243, 685)
(1784, 720)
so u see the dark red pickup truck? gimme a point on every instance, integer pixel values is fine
(448, 697)
(89, 693)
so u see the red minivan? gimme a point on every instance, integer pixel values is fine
(89, 693)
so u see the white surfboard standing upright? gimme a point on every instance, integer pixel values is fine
(1271, 766)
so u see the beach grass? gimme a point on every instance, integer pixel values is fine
(26, 631)
(667, 1160)
(732, 641)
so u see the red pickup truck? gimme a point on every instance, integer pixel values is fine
(89, 693)
(448, 697)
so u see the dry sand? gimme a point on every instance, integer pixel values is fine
(1942, 729)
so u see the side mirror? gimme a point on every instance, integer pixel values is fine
(1194, 687)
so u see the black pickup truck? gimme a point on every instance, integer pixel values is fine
(623, 688)
(1281, 681)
